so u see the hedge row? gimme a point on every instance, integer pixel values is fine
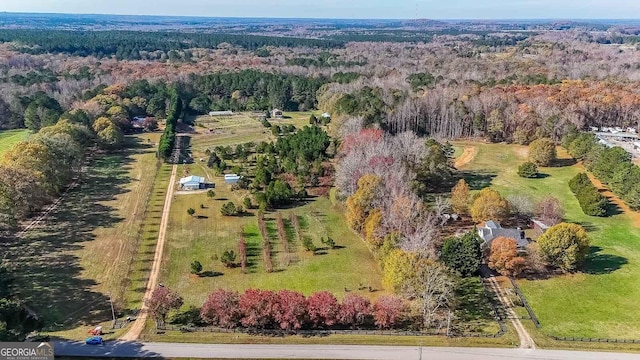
(591, 201)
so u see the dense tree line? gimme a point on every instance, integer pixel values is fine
(168, 138)
(611, 165)
(129, 44)
(591, 201)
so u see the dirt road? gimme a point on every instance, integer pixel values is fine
(138, 325)
(468, 154)
(526, 341)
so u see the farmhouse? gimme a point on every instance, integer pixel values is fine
(277, 114)
(231, 178)
(492, 230)
(192, 183)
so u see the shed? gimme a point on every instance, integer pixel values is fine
(192, 183)
(277, 114)
(221, 113)
(539, 226)
(231, 178)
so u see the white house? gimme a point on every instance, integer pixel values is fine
(492, 230)
(192, 183)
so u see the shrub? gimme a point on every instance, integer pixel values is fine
(228, 258)
(229, 209)
(259, 308)
(322, 308)
(388, 311)
(591, 201)
(196, 267)
(564, 246)
(247, 203)
(191, 211)
(504, 257)
(221, 309)
(354, 310)
(292, 310)
(542, 152)
(462, 254)
(211, 194)
(528, 170)
(308, 245)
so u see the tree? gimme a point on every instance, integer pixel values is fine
(211, 194)
(354, 310)
(489, 205)
(109, 134)
(162, 301)
(462, 254)
(247, 203)
(228, 258)
(196, 267)
(308, 244)
(259, 308)
(388, 311)
(191, 211)
(399, 266)
(433, 287)
(362, 201)
(460, 197)
(542, 152)
(228, 209)
(292, 310)
(504, 257)
(549, 210)
(322, 308)
(528, 170)
(372, 228)
(221, 309)
(564, 246)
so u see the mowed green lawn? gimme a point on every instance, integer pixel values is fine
(8, 138)
(602, 300)
(208, 234)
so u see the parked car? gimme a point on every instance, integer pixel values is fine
(94, 340)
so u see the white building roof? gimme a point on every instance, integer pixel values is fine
(192, 180)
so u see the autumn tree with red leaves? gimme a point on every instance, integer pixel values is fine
(221, 309)
(322, 308)
(162, 301)
(388, 311)
(354, 310)
(292, 310)
(259, 308)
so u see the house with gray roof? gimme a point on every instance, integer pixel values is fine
(492, 230)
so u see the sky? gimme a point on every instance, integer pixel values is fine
(370, 9)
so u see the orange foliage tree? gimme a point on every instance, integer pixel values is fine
(504, 257)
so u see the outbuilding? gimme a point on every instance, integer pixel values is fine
(192, 183)
(231, 178)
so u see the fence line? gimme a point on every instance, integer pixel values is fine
(532, 314)
(494, 305)
(322, 332)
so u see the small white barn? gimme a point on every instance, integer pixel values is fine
(231, 178)
(192, 183)
(221, 113)
(277, 114)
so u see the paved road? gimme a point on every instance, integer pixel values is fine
(136, 328)
(133, 349)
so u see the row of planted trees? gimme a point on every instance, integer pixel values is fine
(286, 310)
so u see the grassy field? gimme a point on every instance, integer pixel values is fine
(69, 266)
(208, 234)
(602, 300)
(8, 138)
(237, 129)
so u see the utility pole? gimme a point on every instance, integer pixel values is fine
(113, 313)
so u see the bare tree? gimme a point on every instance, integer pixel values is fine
(433, 287)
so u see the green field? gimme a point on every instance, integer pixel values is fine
(8, 138)
(602, 300)
(208, 233)
(83, 253)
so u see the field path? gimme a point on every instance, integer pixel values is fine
(138, 325)
(526, 341)
(468, 154)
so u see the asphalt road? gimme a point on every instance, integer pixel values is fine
(234, 351)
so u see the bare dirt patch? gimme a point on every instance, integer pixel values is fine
(468, 154)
